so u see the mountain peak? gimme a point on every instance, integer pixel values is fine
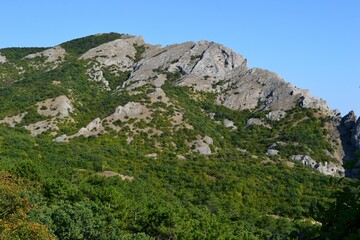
(120, 71)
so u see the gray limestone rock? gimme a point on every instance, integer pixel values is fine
(205, 66)
(272, 152)
(229, 124)
(119, 53)
(327, 168)
(258, 122)
(202, 145)
(2, 59)
(13, 120)
(258, 88)
(52, 55)
(276, 115)
(60, 106)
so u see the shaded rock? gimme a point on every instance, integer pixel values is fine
(355, 138)
(345, 132)
(348, 121)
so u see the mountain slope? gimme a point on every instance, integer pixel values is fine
(151, 139)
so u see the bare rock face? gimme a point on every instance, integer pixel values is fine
(52, 55)
(324, 168)
(58, 109)
(95, 127)
(42, 127)
(13, 120)
(119, 53)
(128, 111)
(348, 121)
(206, 64)
(155, 61)
(60, 106)
(268, 91)
(203, 66)
(2, 59)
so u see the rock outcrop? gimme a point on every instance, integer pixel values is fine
(119, 53)
(346, 134)
(327, 168)
(13, 120)
(202, 145)
(52, 55)
(257, 122)
(229, 124)
(276, 115)
(2, 59)
(60, 106)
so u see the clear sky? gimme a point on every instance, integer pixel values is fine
(313, 44)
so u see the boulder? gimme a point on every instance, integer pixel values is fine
(229, 124)
(272, 152)
(276, 115)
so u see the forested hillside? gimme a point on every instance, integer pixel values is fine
(108, 137)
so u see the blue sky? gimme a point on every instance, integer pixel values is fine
(313, 44)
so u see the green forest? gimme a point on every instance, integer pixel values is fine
(105, 188)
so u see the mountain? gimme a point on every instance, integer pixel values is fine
(130, 140)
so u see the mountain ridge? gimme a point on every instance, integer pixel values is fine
(126, 63)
